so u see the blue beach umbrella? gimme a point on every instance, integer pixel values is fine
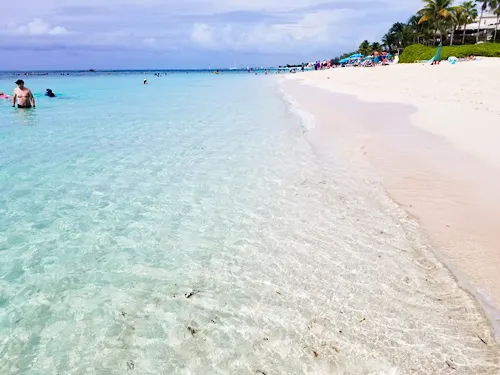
(356, 56)
(343, 61)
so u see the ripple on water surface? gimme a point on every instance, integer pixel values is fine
(204, 235)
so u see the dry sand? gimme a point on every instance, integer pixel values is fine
(436, 152)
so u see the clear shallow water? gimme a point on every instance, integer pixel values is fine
(119, 201)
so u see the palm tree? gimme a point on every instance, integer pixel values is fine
(470, 14)
(455, 20)
(405, 36)
(400, 34)
(365, 48)
(496, 12)
(436, 11)
(397, 28)
(376, 46)
(388, 40)
(428, 34)
(465, 19)
(416, 29)
(484, 4)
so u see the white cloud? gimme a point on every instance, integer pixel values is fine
(36, 27)
(203, 34)
(58, 30)
(266, 26)
(312, 30)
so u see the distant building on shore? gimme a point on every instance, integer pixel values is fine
(486, 29)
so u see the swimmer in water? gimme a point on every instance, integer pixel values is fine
(23, 96)
(50, 94)
(145, 82)
(4, 96)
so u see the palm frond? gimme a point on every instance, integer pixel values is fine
(423, 19)
(445, 13)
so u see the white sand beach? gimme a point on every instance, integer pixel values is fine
(430, 133)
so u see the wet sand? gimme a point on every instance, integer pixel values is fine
(433, 157)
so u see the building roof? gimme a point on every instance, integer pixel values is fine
(474, 26)
(488, 22)
(487, 15)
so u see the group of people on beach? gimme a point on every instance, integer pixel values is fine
(23, 97)
(378, 58)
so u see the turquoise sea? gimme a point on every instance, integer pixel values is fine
(190, 226)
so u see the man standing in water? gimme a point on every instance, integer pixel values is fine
(23, 96)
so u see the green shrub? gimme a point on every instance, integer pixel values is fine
(418, 52)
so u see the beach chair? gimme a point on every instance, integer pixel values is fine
(436, 57)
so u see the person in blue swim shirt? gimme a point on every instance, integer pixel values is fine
(50, 94)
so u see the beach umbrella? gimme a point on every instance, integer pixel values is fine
(437, 56)
(343, 61)
(356, 56)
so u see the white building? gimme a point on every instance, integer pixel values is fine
(487, 27)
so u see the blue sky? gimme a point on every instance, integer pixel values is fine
(126, 34)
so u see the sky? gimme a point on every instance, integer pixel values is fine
(165, 34)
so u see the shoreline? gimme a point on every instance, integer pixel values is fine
(440, 178)
(469, 88)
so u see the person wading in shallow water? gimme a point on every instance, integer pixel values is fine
(23, 96)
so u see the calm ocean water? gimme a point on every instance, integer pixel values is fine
(189, 227)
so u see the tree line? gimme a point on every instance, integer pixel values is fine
(438, 21)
